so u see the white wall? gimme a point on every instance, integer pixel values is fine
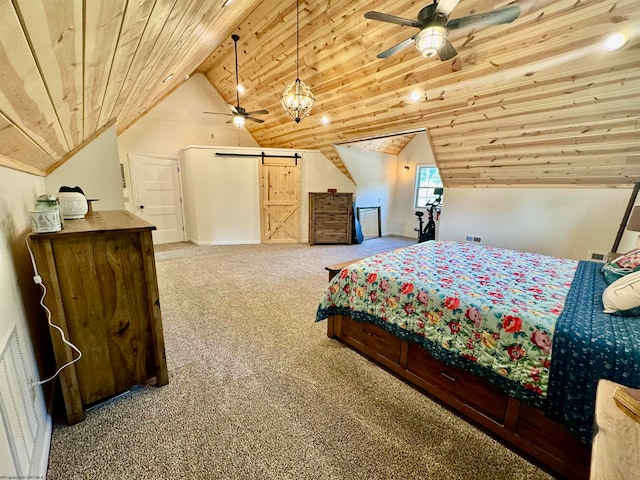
(222, 196)
(179, 121)
(417, 152)
(375, 176)
(96, 170)
(18, 192)
(565, 222)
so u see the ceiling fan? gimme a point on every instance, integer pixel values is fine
(434, 24)
(238, 114)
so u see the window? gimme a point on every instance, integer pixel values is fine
(427, 180)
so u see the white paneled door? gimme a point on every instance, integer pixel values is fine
(157, 195)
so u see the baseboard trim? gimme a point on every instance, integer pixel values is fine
(226, 242)
(40, 462)
(403, 234)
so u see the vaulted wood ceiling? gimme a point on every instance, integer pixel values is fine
(534, 102)
(389, 144)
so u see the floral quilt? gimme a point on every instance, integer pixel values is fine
(490, 311)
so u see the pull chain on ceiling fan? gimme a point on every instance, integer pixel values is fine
(238, 114)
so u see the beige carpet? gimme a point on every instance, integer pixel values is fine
(257, 390)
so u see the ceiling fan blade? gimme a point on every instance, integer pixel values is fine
(445, 7)
(257, 112)
(384, 17)
(230, 120)
(234, 109)
(487, 19)
(396, 48)
(447, 51)
(256, 120)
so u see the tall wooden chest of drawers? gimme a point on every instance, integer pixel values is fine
(330, 217)
(102, 292)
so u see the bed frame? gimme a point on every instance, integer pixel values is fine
(524, 428)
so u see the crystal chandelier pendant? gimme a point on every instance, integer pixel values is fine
(297, 100)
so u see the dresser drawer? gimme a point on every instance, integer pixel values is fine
(324, 216)
(331, 237)
(333, 202)
(472, 390)
(377, 340)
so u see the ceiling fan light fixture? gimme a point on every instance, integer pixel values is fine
(297, 98)
(238, 121)
(429, 40)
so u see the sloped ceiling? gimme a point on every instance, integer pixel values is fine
(534, 102)
(391, 144)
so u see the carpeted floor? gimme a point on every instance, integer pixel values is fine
(257, 390)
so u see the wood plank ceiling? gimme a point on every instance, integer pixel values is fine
(389, 144)
(536, 102)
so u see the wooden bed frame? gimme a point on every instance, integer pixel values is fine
(517, 424)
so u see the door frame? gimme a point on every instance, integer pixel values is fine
(134, 184)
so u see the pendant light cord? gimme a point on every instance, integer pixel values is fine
(298, 39)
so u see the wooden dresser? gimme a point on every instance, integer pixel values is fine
(330, 217)
(102, 291)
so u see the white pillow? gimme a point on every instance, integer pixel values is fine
(623, 295)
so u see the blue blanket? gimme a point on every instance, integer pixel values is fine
(589, 345)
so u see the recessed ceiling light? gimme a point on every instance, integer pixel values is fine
(167, 78)
(240, 89)
(415, 96)
(614, 42)
(325, 120)
(142, 110)
(227, 3)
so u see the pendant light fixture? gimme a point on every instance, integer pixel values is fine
(297, 98)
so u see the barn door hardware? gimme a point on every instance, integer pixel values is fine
(261, 155)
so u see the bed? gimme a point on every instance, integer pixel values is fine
(514, 341)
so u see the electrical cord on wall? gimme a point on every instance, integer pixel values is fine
(38, 280)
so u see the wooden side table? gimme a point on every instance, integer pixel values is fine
(615, 453)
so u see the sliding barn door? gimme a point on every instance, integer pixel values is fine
(280, 200)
